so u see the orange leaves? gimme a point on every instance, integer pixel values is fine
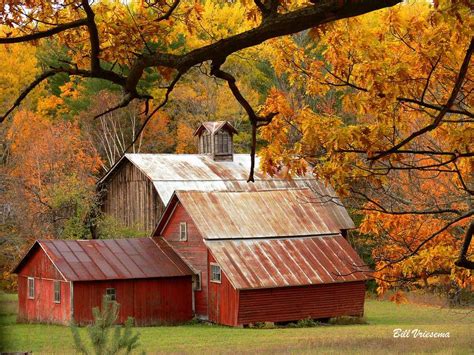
(398, 297)
(53, 169)
(58, 151)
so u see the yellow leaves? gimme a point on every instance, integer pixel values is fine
(185, 139)
(17, 69)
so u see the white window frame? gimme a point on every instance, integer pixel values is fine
(57, 292)
(212, 279)
(183, 232)
(114, 293)
(197, 282)
(31, 288)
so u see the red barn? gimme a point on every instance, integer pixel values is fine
(261, 256)
(62, 280)
(272, 250)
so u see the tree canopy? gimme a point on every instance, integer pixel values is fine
(373, 96)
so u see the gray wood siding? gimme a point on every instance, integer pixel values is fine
(130, 197)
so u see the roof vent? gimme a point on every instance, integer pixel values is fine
(216, 140)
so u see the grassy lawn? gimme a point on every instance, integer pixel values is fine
(375, 337)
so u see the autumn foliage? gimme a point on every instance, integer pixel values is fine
(379, 106)
(369, 83)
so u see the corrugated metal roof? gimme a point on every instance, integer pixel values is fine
(257, 214)
(113, 259)
(172, 172)
(269, 263)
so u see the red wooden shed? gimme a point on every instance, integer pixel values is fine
(62, 280)
(274, 255)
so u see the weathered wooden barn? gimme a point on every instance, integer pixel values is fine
(60, 281)
(137, 189)
(258, 256)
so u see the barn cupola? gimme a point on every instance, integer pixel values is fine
(216, 140)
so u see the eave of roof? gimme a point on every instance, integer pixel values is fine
(286, 262)
(112, 259)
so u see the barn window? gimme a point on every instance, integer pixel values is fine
(183, 232)
(197, 282)
(222, 143)
(57, 292)
(215, 273)
(31, 287)
(206, 142)
(111, 294)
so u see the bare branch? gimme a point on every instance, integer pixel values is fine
(129, 97)
(163, 103)
(102, 74)
(431, 237)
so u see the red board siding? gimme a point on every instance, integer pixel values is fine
(193, 252)
(149, 301)
(39, 265)
(43, 308)
(223, 300)
(294, 303)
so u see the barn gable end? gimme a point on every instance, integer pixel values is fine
(129, 196)
(193, 251)
(37, 263)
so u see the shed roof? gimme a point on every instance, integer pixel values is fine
(172, 172)
(257, 214)
(269, 263)
(214, 126)
(111, 259)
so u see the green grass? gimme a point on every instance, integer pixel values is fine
(376, 337)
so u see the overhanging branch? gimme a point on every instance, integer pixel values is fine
(43, 34)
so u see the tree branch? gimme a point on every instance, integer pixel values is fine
(27, 90)
(93, 36)
(256, 120)
(442, 113)
(463, 260)
(163, 103)
(434, 235)
(43, 34)
(129, 97)
(170, 11)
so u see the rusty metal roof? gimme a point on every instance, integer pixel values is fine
(172, 172)
(112, 259)
(257, 214)
(269, 263)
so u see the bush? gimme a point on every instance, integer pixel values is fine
(305, 323)
(346, 320)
